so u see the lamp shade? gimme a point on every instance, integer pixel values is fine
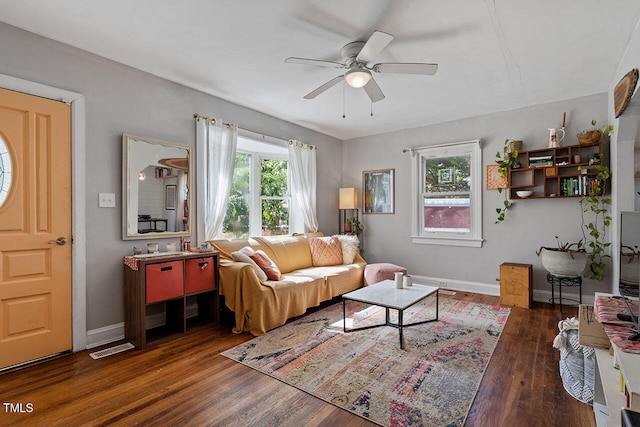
(348, 198)
(357, 77)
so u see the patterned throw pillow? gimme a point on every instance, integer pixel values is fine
(325, 251)
(265, 263)
(243, 256)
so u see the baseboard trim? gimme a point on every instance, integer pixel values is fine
(539, 295)
(112, 333)
(459, 285)
(105, 335)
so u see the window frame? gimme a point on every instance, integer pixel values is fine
(259, 197)
(419, 235)
(255, 196)
(6, 171)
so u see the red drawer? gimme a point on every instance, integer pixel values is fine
(164, 281)
(200, 275)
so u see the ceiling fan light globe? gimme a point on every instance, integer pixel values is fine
(357, 78)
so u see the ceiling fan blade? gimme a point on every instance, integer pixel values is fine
(306, 61)
(324, 87)
(406, 68)
(374, 46)
(374, 91)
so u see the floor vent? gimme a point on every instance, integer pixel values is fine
(111, 351)
(445, 292)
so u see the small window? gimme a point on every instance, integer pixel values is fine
(5, 172)
(447, 188)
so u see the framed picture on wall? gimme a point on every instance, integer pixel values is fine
(495, 179)
(170, 198)
(378, 187)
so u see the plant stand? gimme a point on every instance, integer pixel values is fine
(343, 215)
(561, 281)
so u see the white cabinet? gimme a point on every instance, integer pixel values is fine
(608, 400)
(616, 383)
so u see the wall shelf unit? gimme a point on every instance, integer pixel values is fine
(556, 171)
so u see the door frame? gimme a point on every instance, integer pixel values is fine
(78, 196)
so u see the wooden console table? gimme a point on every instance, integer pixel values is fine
(169, 280)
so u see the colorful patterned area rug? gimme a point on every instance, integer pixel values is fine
(432, 382)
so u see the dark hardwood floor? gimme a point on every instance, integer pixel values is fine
(185, 381)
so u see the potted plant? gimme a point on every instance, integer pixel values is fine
(565, 260)
(506, 159)
(355, 226)
(594, 135)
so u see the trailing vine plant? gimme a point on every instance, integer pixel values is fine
(595, 206)
(595, 217)
(505, 160)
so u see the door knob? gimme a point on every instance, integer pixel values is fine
(60, 241)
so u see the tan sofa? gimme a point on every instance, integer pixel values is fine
(261, 306)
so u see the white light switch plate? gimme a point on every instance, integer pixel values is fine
(106, 200)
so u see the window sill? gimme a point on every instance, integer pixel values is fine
(447, 241)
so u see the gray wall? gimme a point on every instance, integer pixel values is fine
(121, 100)
(530, 223)
(625, 143)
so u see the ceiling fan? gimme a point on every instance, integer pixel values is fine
(356, 57)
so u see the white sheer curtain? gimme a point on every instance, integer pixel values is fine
(302, 165)
(181, 196)
(216, 150)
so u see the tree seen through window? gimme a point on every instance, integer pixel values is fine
(271, 202)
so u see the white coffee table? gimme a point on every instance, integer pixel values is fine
(385, 294)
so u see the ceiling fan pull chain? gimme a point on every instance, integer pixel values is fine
(343, 102)
(371, 108)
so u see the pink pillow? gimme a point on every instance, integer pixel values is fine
(325, 251)
(264, 262)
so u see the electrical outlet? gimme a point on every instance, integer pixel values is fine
(106, 200)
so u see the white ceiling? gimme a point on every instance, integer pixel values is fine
(493, 55)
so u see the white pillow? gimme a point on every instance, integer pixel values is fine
(243, 256)
(350, 246)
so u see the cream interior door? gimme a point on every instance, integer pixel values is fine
(35, 228)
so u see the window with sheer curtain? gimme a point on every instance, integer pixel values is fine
(259, 202)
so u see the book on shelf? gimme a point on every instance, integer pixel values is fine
(540, 163)
(535, 158)
(577, 186)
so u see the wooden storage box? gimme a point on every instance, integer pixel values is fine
(164, 281)
(516, 284)
(200, 275)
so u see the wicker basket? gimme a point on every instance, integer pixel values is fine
(514, 146)
(589, 136)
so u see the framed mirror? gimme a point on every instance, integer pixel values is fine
(155, 188)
